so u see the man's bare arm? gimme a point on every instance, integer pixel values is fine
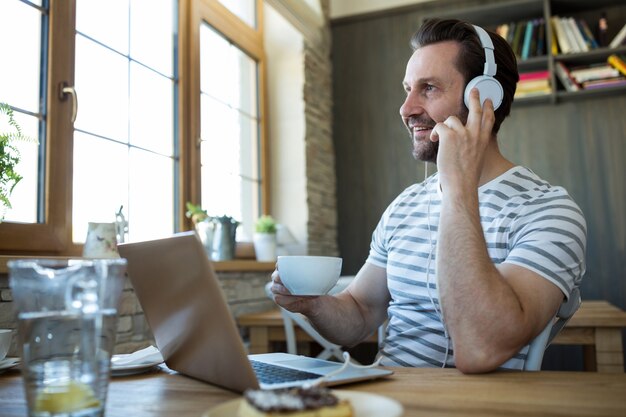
(490, 312)
(348, 317)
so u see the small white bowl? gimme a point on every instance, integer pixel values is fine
(5, 342)
(309, 275)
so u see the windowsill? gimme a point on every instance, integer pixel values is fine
(236, 265)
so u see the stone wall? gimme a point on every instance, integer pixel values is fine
(244, 292)
(320, 152)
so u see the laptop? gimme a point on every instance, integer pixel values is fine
(194, 329)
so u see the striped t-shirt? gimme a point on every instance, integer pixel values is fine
(526, 222)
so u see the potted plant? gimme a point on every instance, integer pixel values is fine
(202, 223)
(265, 239)
(9, 156)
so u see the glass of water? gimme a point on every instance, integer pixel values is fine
(67, 322)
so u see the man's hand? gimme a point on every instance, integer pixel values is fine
(462, 148)
(293, 303)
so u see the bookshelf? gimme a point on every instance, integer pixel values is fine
(495, 14)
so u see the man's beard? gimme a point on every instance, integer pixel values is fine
(425, 149)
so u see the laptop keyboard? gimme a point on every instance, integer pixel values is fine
(268, 373)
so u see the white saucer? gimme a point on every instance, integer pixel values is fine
(364, 404)
(8, 363)
(134, 367)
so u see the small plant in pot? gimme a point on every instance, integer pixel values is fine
(203, 224)
(265, 239)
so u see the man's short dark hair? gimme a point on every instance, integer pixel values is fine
(471, 59)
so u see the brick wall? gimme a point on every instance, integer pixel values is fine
(320, 153)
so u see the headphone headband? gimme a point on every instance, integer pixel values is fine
(486, 84)
(487, 44)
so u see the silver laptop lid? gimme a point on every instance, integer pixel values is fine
(187, 312)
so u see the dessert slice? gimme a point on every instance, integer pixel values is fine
(295, 402)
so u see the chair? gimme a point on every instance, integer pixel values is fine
(329, 350)
(540, 343)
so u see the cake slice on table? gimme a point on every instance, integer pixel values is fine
(294, 402)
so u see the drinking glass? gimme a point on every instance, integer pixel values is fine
(67, 322)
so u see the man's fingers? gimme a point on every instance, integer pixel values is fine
(488, 118)
(474, 117)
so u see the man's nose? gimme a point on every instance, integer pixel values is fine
(412, 105)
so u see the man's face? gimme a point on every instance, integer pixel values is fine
(434, 91)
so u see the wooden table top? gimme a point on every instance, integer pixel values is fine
(422, 392)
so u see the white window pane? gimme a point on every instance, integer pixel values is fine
(244, 9)
(249, 147)
(152, 25)
(221, 193)
(250, 201)
(246, 100)
(100, 181)
(227, 73)
(218, 76)
(102, 88)
(106, 22)
(20, 31)
(219, 133)
(24, 196)
(151, 209)
(151, 110)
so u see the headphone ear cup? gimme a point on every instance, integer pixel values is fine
(488, 87)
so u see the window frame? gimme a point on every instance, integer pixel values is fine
(250, 41)
(54, 235)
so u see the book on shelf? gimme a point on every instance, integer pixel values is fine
(565, 77)
(532, 93)
(517, 38)
(528, 34)
(554, 44)
(533, 83)
(577, 35)
(572, 35)
(605, 83)
(618, 62)
(594, 72)
(541, 38)
(620, 38)
(561, 37)
(527, 38)
(587, 34)
(534, 75)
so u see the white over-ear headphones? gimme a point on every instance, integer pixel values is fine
(486, 84)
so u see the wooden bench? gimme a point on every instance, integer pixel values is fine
(597, 326)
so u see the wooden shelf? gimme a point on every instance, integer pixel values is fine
(493, 14)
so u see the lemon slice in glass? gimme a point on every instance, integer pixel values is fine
(67, 398)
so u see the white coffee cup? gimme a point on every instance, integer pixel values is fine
(5, 342)
(309, 275)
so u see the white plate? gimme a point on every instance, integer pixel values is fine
(8, 363)
(364, 404)
(134, 368)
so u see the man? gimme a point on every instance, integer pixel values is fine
(471, 264)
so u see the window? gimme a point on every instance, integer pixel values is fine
(20, 86)
(228, 84)
(229, 127)
(124, 138)
(146, 135)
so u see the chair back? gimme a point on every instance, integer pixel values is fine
(329, 350)
(555, 325)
